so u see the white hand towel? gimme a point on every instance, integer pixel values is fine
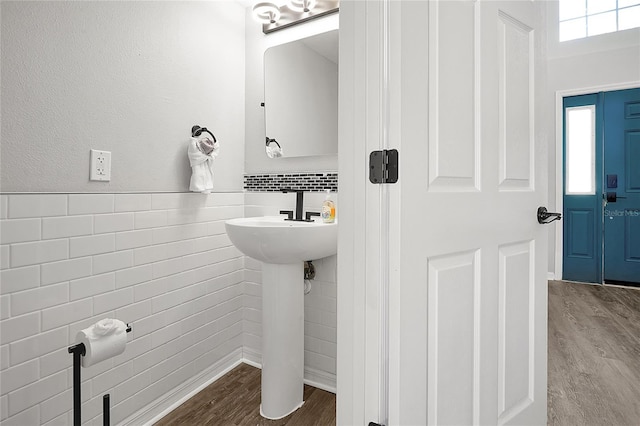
(273, 151)
(201, 166)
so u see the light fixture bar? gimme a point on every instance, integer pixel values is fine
(289, 16)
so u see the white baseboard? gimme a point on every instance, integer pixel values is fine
(320, 379)
(312, 377)
(252, 357)
(551, 276)
(171, 400)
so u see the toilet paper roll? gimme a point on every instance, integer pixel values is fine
(105, 339)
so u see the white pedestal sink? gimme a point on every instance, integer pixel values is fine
(282, 246)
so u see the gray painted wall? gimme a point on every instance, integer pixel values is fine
(126, 77)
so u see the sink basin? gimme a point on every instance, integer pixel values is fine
(282, 246)
(271, 239)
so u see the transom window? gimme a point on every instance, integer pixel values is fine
(586, 18)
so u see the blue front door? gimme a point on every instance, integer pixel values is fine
(622, 182)
(601, 230)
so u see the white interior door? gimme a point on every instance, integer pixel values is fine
(468, 287)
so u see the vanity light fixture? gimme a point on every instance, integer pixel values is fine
(291, 12)
(302, 6)
(266, 12)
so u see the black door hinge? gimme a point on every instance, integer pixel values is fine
(383, 166)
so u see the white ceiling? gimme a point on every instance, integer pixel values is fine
(245, 3)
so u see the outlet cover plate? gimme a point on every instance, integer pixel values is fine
(100, 165)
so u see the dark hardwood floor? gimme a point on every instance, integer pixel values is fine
(234, 399)
(594, 355)
(593, 367)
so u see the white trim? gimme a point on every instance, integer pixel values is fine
(312, 377)
(383, 239)
(162, 406)
(252, 357)
(320, 379)
(358, 332)
(560, 94)
(551, 276)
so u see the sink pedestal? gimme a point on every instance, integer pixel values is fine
(282, 339)
(282, 246)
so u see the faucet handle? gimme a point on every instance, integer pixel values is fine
(309, 214)
(289, 213)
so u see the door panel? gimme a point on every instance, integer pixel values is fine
(632, 167)
(453, 281)
(622, 158)
(468, 308)
(454, 102)
(632, 236)
(515, 76)
(581, 238)
(516, 323)
(582, 217)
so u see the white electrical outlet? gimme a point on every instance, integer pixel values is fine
(100, 165)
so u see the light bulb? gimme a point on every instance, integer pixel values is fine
(302, 5)
(266, 12)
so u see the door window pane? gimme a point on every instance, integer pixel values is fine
(597, 6)
(573, 29)
(629, 18)
(627, 3)
(580, 150)
(601, 23)
(572, 9)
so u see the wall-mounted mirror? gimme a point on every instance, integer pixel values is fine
(301, 97)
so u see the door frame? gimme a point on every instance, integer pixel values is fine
(559, 206)
(364, 255)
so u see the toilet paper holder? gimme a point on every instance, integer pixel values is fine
(78, 351)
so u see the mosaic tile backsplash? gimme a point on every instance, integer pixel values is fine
(275, 182)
